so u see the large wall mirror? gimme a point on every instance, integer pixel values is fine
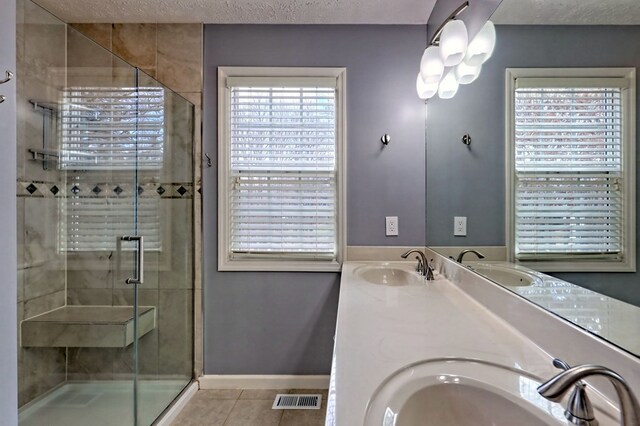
(548, 184)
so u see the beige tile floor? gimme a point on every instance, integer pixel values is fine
(247, 407)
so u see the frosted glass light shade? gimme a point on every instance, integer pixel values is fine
(448, 86)
(453, 43)
(482, 45)
(425, 90)
(467, 74)
(431, 66)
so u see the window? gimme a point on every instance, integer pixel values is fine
(570, 168)
(281, 169)
(106, 130)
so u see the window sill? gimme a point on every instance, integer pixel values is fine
(628, 265)
(254, 265)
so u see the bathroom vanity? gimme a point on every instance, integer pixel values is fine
(457, 348)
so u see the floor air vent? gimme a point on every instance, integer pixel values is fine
(297, 402)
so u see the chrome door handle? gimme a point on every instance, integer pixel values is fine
(139, 258)
(2, 98)
(8, 78)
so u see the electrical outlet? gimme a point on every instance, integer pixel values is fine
(391, 228)
(460, 226)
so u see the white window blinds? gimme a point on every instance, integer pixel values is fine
(282, 163)
(103, 130)
(96, 223)
(112, 128)
(568, 169)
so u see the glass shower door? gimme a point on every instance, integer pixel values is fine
(104, 152)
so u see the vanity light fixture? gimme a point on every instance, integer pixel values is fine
(450, 59)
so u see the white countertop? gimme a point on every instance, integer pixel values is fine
(381, 329)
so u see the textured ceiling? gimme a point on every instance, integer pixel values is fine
(244, 11)
(568, 12)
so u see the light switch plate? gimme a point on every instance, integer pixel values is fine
(391, 228)
(460, 226)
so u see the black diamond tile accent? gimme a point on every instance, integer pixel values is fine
(118, 190)
(200, 190)
(140, 190)
(75, 189)
(182, 190)
(54, 190)
(160, 190)
(32, 188)
(96, 190)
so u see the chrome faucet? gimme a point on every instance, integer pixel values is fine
(579, 410)
(423, 267)
(463, 252)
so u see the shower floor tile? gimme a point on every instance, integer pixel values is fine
(101, 403)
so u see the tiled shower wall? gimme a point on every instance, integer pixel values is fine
(49, 54)
(171, 54)
(41, 58)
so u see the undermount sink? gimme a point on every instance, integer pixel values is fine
(458, 391)
(389, 275)
(506, 275)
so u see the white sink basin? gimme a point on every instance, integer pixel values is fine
(447, 392)
(389, 275)
(506, 275)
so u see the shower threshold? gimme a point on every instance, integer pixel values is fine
(101, 403)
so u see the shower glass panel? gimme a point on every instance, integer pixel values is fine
(104, 151)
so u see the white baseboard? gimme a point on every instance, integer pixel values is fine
(178, 405)
(213, 381)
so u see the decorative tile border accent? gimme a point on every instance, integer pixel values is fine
(40, 189)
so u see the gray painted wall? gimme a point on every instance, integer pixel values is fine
(8, 248)
(283, 323)
(470, 182)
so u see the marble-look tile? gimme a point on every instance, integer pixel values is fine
(147, 354)
(41, 218)
(44, 304)
(303, 417)
(96, 274)
(253, 412)
(136, 44)
(198, 341)
(42, 370)
(88, 64)
(20, 284)
(180, 56)
(178, 273)
(179, 125)
(202, 410)
(91, 296)
(99, 33)
(90, 363)
(269, 394)
(124, 297)
(43, 279)
(175, 328)
(194, 97)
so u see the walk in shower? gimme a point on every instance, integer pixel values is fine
(105, 232)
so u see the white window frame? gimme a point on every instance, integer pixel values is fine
(282, 263)
(627, 263)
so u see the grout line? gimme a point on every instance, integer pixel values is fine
(231, 411)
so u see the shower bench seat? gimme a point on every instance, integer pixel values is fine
(86, 327)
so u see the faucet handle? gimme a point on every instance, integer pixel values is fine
(558, 363)
(579, 409)
(420, 268)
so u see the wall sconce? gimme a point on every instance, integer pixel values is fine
(450, 60)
